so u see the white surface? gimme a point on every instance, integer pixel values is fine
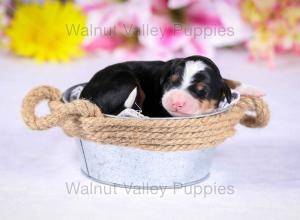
(261, 164)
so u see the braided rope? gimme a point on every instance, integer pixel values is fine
(81, 118)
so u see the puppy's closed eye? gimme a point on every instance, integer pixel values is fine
(200, 86)
(200, 90)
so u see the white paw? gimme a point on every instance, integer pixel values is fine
(248, 90)
(131, 98)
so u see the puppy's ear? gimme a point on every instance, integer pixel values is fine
(164, 76)
(227, 92)
(165, 73)
(166, 70)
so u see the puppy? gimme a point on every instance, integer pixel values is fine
(179, 87)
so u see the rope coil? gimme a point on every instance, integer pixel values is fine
(81, 118)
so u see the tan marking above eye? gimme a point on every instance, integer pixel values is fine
(200, 86)
(174, 77)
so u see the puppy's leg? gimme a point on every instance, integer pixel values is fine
(243, 88)
(113, 91)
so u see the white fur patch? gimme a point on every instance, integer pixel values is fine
(191, 68)
(131, 98)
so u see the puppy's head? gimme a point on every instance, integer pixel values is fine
(192, 86)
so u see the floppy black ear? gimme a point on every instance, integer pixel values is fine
(166, 70)
(163, 77)
(227, 92)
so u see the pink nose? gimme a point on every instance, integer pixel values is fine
(178, 104)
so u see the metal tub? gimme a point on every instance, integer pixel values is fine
(132, 167)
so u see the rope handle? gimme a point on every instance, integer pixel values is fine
(83, 108)
(59, 110)
(256, 113)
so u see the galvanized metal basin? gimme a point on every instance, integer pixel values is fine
(132, 167)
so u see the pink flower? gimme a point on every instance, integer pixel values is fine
(174, 4)
(169, 42)
(192, 11)
(133, 20)
(159, 7)
(122, 18)
(104, 42)
(203, 13)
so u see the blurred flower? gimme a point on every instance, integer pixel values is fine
(162, 29)
(210, 17)
(120, 19)
(133, 12)
(292, 14)
(3, 21)
(261, 45)
(39, 31)
(130, 18)
(179, 3)
(252, 13)
(198, 12)
(265, 4)
(276, 25)
(173, 42)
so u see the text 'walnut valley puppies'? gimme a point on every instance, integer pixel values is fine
(179, 87)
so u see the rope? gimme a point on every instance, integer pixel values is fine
(81, 118)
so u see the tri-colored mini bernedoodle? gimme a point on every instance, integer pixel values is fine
(179, 87)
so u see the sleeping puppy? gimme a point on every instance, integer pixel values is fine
(179, 87)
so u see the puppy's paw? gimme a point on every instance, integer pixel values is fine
(131, 98)
(248, 90)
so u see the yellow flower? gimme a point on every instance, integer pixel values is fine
(262, 43)
(292, 14)
(252, 13)
(265, 4)
(40, 31)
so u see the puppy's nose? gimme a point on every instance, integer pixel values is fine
(178, 104)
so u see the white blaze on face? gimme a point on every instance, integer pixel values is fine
(191, 68)
(178, 101)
